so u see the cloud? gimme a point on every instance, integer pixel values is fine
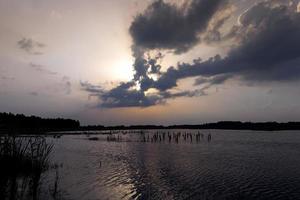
(265, 47)
(213, 80)
(41, 69)
(187, 93)
(214, 29)
(268, 50)
(167, 26)
(91, 88)
(31, 46)
(124, 95)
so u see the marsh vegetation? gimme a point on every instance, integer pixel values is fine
(23, 160)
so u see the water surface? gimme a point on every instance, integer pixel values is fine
(233, 165)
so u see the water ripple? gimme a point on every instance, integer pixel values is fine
(234, 165)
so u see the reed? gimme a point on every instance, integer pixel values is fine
(23, 160)
(24, 155)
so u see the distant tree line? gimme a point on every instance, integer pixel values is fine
(237, 125)
(20, 123)
(9, 121)
(229, 125)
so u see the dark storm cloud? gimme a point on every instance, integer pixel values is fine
(213, 33)
(167, 26)
(130, 97)
(265, 47)
(268, 50)
(269, 44)
(30, 46)
(161, 26)
(125, 95)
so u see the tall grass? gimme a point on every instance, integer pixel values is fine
(22, 158)
(24, 154)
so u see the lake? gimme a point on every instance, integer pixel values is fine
(147, 165)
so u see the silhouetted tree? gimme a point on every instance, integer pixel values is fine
(9, 121)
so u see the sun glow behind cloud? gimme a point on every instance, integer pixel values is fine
(122, 69)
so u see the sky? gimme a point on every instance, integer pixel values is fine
(151, 62)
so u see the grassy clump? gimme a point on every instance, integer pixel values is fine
(24, 155)
(23, 160)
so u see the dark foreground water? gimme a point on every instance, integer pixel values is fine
(233, 165)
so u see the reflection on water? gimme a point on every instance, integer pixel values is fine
(229, 165)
